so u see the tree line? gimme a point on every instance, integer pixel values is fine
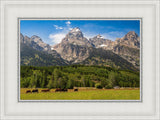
(77, 76)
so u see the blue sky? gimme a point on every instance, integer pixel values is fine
(53, 31)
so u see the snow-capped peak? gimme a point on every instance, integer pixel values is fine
(75, 29)
(76, 32)
(99, 36)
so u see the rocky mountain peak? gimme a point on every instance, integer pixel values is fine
(75, 32)
(131, 39)
(99, 36)
(131, 36)
(36, 38)
(76, 29)
(35, 42)
(132, 32)
(99, 41)
(75, 37)
(26, 38)
(74, 47)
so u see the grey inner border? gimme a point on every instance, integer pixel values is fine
(88, 101)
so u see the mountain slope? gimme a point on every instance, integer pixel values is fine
(32, 57)
(73, 53)
(107, 58)
(99, 42)
(132, 55)
(35, 52)
(128, 47)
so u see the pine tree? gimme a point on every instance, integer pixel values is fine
(51, 82)
(70, 84)
(44, 79)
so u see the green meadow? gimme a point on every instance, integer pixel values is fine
(96, 94)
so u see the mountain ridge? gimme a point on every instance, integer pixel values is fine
(130, 41)
(76, 49)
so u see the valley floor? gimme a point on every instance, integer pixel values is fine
(89, 94)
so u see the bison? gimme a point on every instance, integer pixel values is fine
(28, 91)
(61, 90)
(35, 90)
(64, 90)
(58, 90)
(75, 89)
(45, 90)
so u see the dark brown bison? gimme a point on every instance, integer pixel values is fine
(45, 90)
(28, 91)
(75, 89)
(61, 90)
(64, 90)
(35, 90)
(58, 90)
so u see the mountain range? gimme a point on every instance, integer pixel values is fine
(74, 48)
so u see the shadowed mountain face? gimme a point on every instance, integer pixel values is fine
(128, 47)
(99, 56)
(37, 53)
(132, 55)
(35, 42)
(123, 53)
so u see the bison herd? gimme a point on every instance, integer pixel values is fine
(48, 90)
(61, 90)
(32, 91)
(45, 90)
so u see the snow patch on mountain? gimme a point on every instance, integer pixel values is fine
(99, 36)
(75, 30)
(103, 45)
(52, 48)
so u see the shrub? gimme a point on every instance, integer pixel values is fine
(109, 86)
(99, 86)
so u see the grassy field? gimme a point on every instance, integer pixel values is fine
(84, 94)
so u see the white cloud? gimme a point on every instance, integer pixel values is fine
(58, 27)
(70, 28)
(56, 38)
(68, 23)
